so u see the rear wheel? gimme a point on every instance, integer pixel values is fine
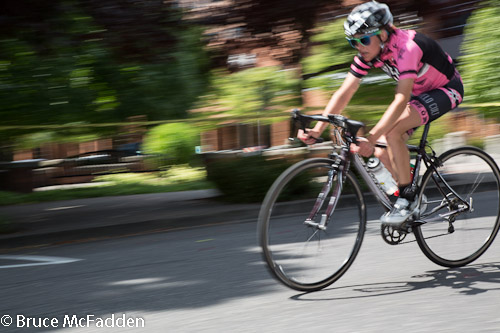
(456, 239)
(300, 255)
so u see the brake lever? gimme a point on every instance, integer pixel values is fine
(317, 140)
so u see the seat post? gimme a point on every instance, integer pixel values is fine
(423, 139)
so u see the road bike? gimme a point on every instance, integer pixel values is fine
(313, 219)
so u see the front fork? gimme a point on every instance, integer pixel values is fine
(337, 171)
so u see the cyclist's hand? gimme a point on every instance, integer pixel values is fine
(309, 136)
(364, 147)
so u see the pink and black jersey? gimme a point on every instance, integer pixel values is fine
(409, 54)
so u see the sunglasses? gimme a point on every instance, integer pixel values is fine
(365, 40)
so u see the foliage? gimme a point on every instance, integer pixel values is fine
(245, 179)
(177, 174)
(179, 178)
(261, 89)
(81, 72)
(330, 48)
(284, 23)
(479, 63)
(172, 143)
(476, 142)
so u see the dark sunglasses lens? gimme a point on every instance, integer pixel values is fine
(365, 40)
(353, 43)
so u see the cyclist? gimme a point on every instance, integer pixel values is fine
(428, 86)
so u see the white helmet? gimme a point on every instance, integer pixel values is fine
(367, 18)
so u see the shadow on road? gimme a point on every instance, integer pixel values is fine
(198, 269)
(465, 280)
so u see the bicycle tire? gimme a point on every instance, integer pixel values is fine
(471, 173)
(281, 228)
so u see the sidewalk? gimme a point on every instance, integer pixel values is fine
(73, 220)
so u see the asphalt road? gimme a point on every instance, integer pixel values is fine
(212, 279)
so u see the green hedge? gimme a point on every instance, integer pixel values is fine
(245, 179)
(171, 143)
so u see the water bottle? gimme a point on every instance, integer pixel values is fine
(382, 175)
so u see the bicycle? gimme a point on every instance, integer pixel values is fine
(309, 242)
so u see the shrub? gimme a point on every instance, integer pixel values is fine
(476, 142)
(245, 179)
(171, 143)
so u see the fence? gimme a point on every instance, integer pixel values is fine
(74, 163)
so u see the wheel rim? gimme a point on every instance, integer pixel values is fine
(471, 232)
(305, 257)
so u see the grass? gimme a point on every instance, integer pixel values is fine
(177, 178)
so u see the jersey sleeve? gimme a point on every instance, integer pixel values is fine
(359, 68)
(409, 59)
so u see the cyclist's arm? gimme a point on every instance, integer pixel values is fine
(340, 99)
(394, 111)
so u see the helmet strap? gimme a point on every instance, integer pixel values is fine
(382, 43)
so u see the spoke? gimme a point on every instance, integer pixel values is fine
(475, 185)
(452, 236)
(314, 233)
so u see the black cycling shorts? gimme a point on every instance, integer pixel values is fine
(434, 103)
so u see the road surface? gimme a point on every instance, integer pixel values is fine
(212, 279)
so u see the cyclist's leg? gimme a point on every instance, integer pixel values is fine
(427, 106)
(421, 109)
(400, 156)
(396, 142)
(383, 155)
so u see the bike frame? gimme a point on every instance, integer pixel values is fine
(341, 166)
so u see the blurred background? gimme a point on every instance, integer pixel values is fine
(133, 96)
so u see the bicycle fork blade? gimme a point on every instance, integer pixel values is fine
(321, 225)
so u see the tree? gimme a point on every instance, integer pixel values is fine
(254, 91)
(250, 24)
(239, 26)
(97, 61)
(479, 63)
(330, 48)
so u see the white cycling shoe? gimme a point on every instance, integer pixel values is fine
(401, 211)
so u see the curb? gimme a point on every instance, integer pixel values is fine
(209, 214)
(58, 237)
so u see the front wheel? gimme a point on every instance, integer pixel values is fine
(302, 255)
(456, 233)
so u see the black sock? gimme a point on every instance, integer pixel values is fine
(405, 192)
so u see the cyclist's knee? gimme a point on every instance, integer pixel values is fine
(396, 135)
(381, 153)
